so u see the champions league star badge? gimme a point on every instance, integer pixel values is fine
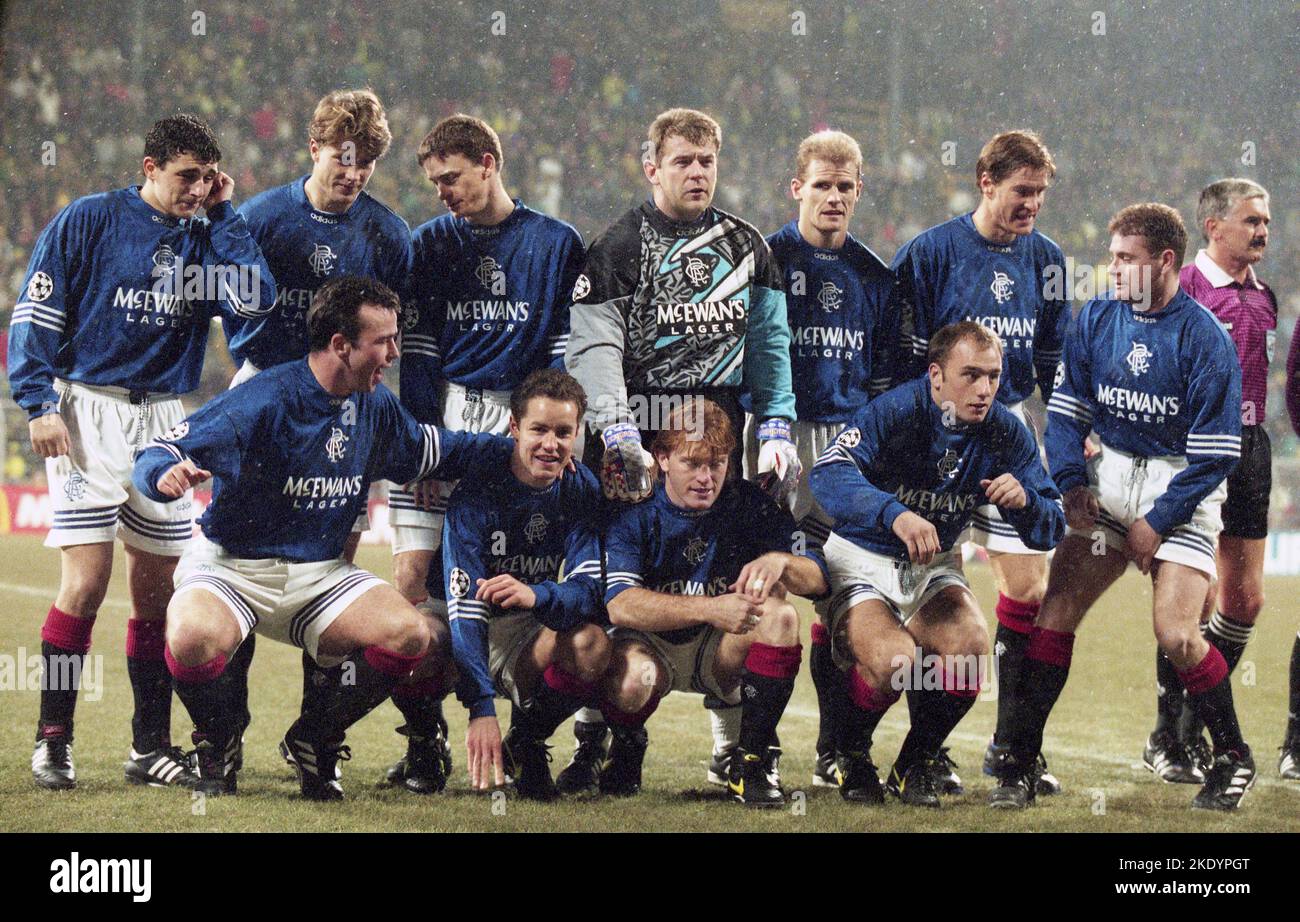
(458, 583)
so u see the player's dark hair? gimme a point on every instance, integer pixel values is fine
(943, 342)
(336, 308)
(461, 134)
(1220, 197)
(181, 134)
(352, 115)
(700, 426)
(1008, 151)
(550, 383)
(1161, 227)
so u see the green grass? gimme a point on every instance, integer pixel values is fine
(1094, 744)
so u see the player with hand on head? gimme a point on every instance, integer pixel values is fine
(676, 298)
(108, 331)
(292, 454)
(1156, 377)
(696, 579)
(992, 266)
(902, 483)
(1234, 216)
(320, 226)
(521, 552)
(844, 335)
(490, 290)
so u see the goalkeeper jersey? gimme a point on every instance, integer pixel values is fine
(669, 307)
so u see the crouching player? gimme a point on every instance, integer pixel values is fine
(517, 628)
(1156, 376)
(292, 454)
(695, 586)
(901, 483)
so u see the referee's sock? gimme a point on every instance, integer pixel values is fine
(65, 641)
(151, 685)
(765, 688)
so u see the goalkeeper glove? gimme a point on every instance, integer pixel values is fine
(625, 470)
(778, 460)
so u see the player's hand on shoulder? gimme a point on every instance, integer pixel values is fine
(921, 537)
(1081, 508)
(1141, 544)
(1005, 491)
(734, 613)
(759, 577)
(425, 493)
(181, 477)
(483, 750)
(49, 435)
(504, 591)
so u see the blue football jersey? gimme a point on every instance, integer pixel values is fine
(1166, 384)
(549, 539)
(658, 546)
(305, 249)
(951, 273)
(292, 464)
(843, 325)
(899, 455)
(118, 294)
(491, 304)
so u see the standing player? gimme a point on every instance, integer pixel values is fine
(677, 298)
(109, 330)
(1234, 216)
(1156, 376)
(901, 485)
(993, 267)
(695, 589)
(293, 453)
(490, 289)
(320, 226)
(844, 329)
(517, 629)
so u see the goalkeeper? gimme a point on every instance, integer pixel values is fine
(676, 298)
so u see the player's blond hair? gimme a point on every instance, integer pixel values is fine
(352, 115)
(1161, 227)
(1220, 197)
(701, 427)
(1008, 151)
(691, 124)
(832, 146)
(461, 134)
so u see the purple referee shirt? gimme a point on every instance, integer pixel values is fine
(1249, 312)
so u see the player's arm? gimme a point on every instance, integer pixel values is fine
(204, 445)
(885, 316)
(407, 451)
(778, 552)
(1033, 504)
(1069, 411)
(576, 599)
(37, 327)
(569, 259)
(767, 340)
(602, 297)
(1293, 384)
(250, 291)
(421, 368)
(839, 478)
(1049, 331)
(914, 302)
(800, 575)
(1214, 438)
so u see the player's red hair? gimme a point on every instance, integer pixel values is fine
(699, 426)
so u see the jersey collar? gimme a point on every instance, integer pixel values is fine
(298, 192)
(1220, 279)
(137, 204)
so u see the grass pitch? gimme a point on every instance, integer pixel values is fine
(1094, 745)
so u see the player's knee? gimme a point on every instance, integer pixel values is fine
(409, 635)
(591, 651)
(81, 593)
(1179, 642)
(191, 641)
(1245, 604)
(780, 622)
(632, 687)
(883, 662)
(409, 576)
(971, 639)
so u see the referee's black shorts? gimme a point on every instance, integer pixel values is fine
(1245, 511)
